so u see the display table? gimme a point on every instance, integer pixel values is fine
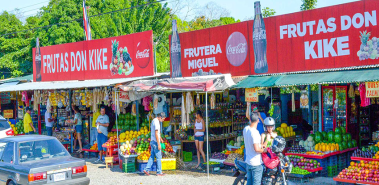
(322, 156)
(354, 181)
(205, 140)
(363, 159)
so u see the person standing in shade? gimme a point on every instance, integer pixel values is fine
(253, 149)
(262, 116)
(93, 130)
(78, 128)
(102, 133)
(155, 144)
(49, 121)
(199, 137)
(28, 123)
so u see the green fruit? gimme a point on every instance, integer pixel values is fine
(337, 138)
(343, 130)
(330, 136)
(337, 130)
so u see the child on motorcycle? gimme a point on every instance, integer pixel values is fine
(269, 135)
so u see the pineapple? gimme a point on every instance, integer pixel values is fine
(364, 38)
(114, 47)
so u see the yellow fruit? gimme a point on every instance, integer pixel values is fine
(323, 148)
(283, 125)
(291, 129)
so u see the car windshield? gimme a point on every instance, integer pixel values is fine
(4, 125)
(41, 150)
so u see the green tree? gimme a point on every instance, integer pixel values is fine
(308, 5)
(267, 12)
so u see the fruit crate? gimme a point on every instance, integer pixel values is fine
(128, 158)
(169, 164)
(342, 161)
(332, 171)
(187, 156)
(129, 167)
(324, 165)
(332, 160)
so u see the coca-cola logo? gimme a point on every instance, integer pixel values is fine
(143, 54)
(236, 49)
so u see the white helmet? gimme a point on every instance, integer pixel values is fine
(269, 121)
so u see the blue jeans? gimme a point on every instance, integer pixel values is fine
(254, 174)
(241, 165)
(154, 153)
(93, 133)
(49, 131)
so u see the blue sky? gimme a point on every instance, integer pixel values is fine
(240, 9)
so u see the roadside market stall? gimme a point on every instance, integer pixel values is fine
(205, 84)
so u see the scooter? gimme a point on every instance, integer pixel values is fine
(279, 173)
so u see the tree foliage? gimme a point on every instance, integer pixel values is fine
(308, 5)
(267, 12)
(61, 21)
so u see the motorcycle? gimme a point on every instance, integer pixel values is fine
(277, 175)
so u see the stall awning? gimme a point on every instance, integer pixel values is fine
(69, 84)
(200, 83)
(330, 77)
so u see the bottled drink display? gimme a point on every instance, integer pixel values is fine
(259, 41)
(38, 61)
(175, 52)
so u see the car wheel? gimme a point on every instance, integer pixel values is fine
(11, 183)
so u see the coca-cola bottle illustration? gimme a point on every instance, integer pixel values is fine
(37, 61)
(259, 41)
(175, 52)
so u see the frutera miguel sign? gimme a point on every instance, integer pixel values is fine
(108, 58)
(338, 36)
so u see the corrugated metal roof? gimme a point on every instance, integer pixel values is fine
(69, 84)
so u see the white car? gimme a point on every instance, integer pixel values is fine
(5, 129)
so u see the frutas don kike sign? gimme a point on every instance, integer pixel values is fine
(116, 57)
(332, 37)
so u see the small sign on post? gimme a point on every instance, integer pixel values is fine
(8, 113)
(251, 94)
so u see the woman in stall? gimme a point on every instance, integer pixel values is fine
(78, 128)
(199, 137)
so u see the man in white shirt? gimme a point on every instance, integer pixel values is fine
(155, 144)
(253, 150)
(49, 121)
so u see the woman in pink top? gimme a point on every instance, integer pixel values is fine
(199, 137)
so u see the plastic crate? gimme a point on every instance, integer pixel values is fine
(142, 166)
(332, 160)
(187, 156)
(332, 171)
(168, 164)
(324, 165)
(129, 167)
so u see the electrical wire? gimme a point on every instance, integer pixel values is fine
(28, 6)
(80, 19)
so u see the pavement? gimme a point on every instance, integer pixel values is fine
(101, 175)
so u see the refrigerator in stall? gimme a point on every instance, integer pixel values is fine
(334, 107)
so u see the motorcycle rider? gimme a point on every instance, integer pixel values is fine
(269, 135)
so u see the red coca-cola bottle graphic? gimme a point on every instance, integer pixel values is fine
(175, 52)
(37, 61)
(259, 41)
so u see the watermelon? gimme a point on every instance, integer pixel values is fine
(324, 134)
(330, 136)
(344, 145)
(350, 144)
(354, 143)
(343, 130)
(312, 135)
(344, 137)
(337, 138)
(348, 137)
(337, 130)
(318, 137)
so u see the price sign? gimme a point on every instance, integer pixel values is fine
(124, 97)
(5, 98)
(372, 89)
(251, 95)
(8, 113)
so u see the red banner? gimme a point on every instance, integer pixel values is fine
(338, 36)
(108, 58)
